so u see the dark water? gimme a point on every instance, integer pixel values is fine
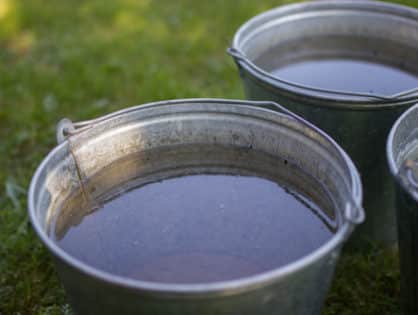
(198, 228)
(348, 75)
(346, 63)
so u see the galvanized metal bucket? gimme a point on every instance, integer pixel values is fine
(359, 122)
(402, 154)
(89, 147)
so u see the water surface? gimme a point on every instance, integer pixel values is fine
(198, 228)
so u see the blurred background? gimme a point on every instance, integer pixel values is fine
(81, 59)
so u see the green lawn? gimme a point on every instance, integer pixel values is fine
(80, 59)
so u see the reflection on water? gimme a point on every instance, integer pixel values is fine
(197, 228)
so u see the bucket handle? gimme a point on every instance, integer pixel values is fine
(240, 57)
(66, 128)
(354, 214)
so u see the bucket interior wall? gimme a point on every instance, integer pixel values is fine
(403, 141)
(296, 155)
(405, 138)
(333, 32)
(402, 151)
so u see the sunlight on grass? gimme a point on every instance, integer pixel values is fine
(4, 8)
(126, 20)
(9, 23)
(18, 42)
(196, 33)
(21, 43)
(140, 4)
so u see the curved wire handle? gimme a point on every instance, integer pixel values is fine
(66, 128)
(239, 56)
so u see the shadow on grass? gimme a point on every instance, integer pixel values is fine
(366, 284)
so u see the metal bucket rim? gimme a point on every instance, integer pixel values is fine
(344, 102)
(221, 288)
(324, 102)
(393, 167)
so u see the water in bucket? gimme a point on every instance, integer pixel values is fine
(318, 62)
(196, 227)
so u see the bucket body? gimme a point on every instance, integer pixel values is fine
(359, 122)
(402, 145)
(296, 288)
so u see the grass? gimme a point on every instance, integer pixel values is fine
(81, 59)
